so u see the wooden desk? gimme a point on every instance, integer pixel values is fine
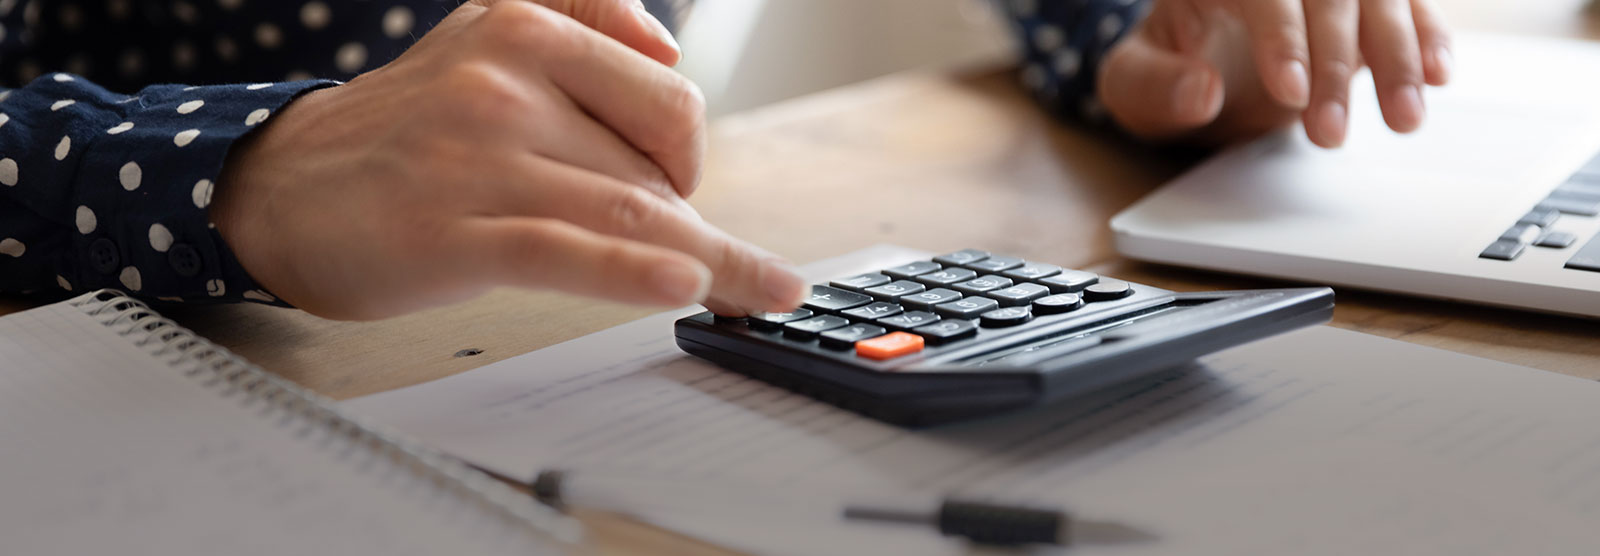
(932, 161)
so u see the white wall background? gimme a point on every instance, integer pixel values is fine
(746, 53)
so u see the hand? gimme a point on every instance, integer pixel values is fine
(1221, 70)
(512, 145)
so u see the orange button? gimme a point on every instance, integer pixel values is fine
(889, 346)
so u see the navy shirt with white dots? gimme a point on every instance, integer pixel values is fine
(105, 179)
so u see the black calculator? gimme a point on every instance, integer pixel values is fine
(972, 333)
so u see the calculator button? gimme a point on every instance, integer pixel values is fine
(889, 346)
(1106, 290)
(875, 311)
(995, 264)
(926, 300)
(1058, 303)
(893, 290)
(1070, 281)
(961, 257)
(809, 328)
(966, 308)
(861, 281)
(846, 337)
(908, 320)
(772, 321)
(824, 298)
(980, 285)
(1020, 294)
(947, 331)
(947, 277)
(1032, 271)
(1009, 316)
(912, 270)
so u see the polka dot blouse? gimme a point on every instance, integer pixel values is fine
(107, 167)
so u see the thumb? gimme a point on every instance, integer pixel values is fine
(623, 20)
(1157, 93)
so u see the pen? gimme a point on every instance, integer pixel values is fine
(979, 522)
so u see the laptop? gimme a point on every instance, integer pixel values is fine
(1496, 200)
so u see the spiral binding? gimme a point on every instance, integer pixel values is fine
(216, 367)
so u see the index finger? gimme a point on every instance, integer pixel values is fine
(744, 277)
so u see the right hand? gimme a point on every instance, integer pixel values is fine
(512, 145)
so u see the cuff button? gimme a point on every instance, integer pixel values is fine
(103, 256)
(184, 260)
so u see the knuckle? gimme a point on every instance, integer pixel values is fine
(483, 91)
(522, 26)
(633, 211)
(1337, 70)
(684, 115)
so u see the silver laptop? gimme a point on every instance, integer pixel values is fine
(1496, 200)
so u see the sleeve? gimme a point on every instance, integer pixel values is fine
(1062, 43)
(99, 189)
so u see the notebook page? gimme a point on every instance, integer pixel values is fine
(110, 451)
(1322, 441)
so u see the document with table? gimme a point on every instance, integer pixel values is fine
(1323, 441)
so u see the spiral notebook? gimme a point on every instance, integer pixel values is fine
(121, 432)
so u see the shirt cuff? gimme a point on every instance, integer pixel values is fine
(142, 189)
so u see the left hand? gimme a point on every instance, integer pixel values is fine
(1223, 70)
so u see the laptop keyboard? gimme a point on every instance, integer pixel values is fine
(1578, 197)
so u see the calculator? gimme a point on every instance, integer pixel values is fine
(972, 333)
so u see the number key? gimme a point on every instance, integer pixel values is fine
(1018, 295)
(947, 331)
(966, 308)
(926, 300)
(980, 285)
(894, 290)
(946, 277)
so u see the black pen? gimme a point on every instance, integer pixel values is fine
(977, 521)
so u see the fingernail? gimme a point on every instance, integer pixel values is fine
(1296, 84)
(783, 283)
(1332, 119)
(1444, 61)
(1189, 97)
(683, 284)
(656, 26)
(1408, 101)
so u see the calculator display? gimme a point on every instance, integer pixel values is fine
(971, 333)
